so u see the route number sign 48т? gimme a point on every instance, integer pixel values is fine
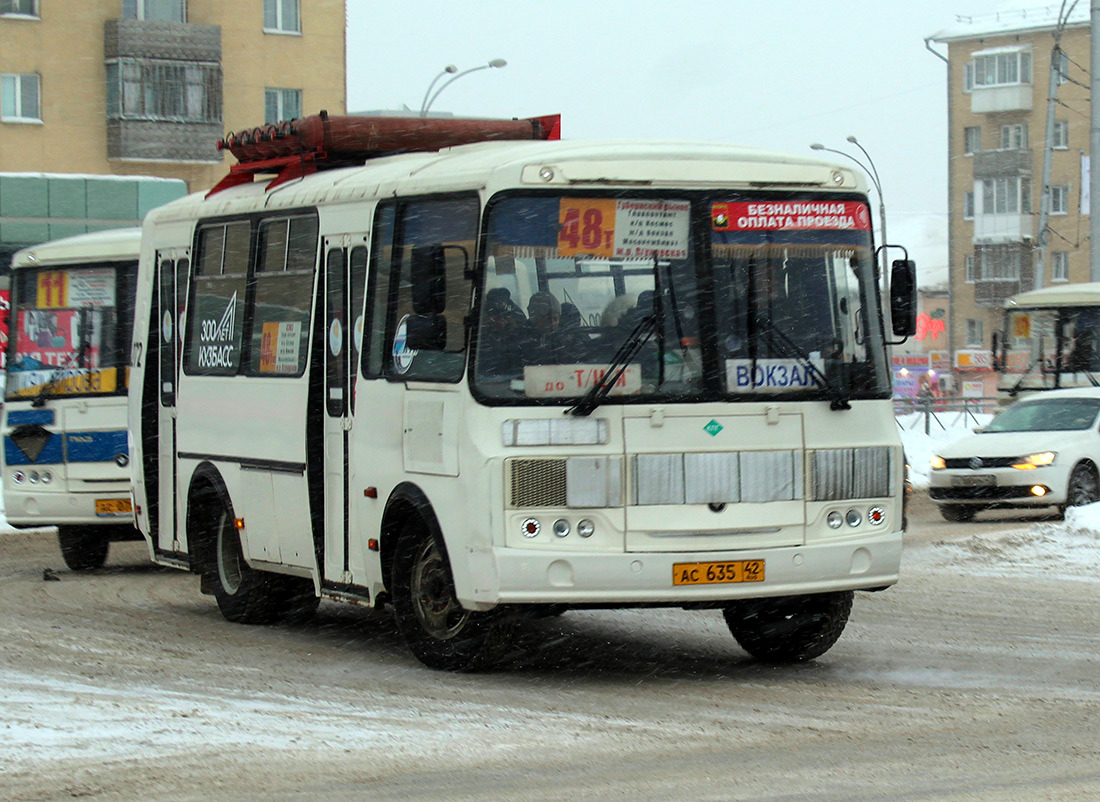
(606, 228)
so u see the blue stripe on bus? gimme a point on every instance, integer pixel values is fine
(22, 417)
(51, 454)
(96, 446)
(81, 447)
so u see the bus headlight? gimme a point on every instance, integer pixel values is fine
(19, 477)
(531, 527)
(585, 528)
(33, 477)
(834, 520)
(561, 527)
(47, 477)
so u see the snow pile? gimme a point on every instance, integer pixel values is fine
(1070, 549)
(944, 428)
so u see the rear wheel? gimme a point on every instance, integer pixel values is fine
(438, 630)
(789, 629)
(84, 547)
(959, 513)
(244, 595)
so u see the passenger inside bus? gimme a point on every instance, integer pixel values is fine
(1084, 354)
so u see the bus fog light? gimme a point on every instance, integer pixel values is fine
(876, 515)
(34, 477)
(834, 520)
(585, 528)
(47, 477)
(531, 527)
(561, 527)
(853, 518)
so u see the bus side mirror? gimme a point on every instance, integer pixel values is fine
(428, 271)
(426, 332)
(903, 297)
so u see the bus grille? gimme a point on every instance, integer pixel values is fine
(842, 473)
(538, 483)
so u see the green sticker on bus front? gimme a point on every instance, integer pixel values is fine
(712, 428)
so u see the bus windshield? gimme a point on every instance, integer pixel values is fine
(67, 336)
(779, 305)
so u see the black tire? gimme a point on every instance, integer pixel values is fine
(437, 629)
(789, 629)
(959, 513)
(84, 547)
(1083, 488)
(244, 595)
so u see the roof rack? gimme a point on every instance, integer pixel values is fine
(295, 148)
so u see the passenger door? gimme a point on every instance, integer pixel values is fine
(173, 268)
(345, 277)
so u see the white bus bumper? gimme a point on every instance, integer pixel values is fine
(598, 578)
(62, 509)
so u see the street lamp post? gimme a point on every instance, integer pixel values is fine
(450, 68)
(872, 173)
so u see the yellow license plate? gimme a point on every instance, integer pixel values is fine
(113, 506)
(717, 573)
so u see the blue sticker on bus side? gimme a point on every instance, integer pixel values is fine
(22, 417)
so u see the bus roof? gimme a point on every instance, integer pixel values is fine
(1058, 295)
(556, 164)
(111, 244)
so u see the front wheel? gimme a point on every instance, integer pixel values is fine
(789, 629)
(1083, 487)
(438, 630)
(83, 547)
(244, 595)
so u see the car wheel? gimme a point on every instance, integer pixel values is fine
(789, 629)
(1084, 488)
(438, 630)
(83, 547)
(959, 513)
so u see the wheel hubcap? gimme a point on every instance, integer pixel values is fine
(433, 594)
(229, 555)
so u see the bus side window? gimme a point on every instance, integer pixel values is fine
(449, 226)
(218, 291)
(378, 291)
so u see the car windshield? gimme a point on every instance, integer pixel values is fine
(784, 304)
(1047, 415)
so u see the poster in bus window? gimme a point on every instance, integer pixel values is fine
(280, 345)
(52, 353)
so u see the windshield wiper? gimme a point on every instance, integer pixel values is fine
(838, 399)
(637, 338)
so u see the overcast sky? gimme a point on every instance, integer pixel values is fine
(780, 74)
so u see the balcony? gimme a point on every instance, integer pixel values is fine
(1002, 228)
(164, 90)
(1002, 163)
(993, 99)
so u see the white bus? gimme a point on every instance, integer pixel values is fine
(66, 456)
(1051, 339)
(507, 378)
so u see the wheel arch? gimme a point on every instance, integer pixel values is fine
(406, 500)
(206, 486)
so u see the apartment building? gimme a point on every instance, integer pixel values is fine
(999, 93)
(111, 107)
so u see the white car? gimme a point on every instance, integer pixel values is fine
(1043, 450)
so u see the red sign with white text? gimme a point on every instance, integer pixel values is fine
(804, 215)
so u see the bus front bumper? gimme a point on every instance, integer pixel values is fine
(572, 577)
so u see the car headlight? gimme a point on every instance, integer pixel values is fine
(1032, 461)
(937, 463)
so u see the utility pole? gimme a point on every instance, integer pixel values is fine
(1048, 150)
(1094, 142)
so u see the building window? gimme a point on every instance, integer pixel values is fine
(19, 98)
(969, 262)
(282, 104)
(155, 10)
(1059, 266)
(1002, 68)
(968, 77)
(1059, 199)
(282, 16)
(1006, 195)
(973, 139)
(999, 264)
(968, 206)
(973, 333)
(1014, 137)
(1061, 134)
(18, 8)
(178, 91)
